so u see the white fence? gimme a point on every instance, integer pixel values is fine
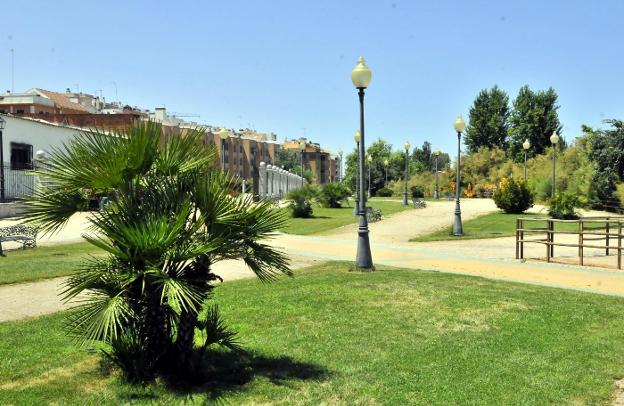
(276, 183)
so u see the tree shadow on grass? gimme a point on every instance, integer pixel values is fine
(217, 373)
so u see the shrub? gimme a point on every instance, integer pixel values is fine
(332, 194)
(301, 201)
(513, 197)
(417, 192)
(384, 192)
(563, 206)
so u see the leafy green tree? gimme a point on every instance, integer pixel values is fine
(534, 117)
(489, 120)
(170, 217)
(607, 152)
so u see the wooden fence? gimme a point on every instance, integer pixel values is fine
(590, 231)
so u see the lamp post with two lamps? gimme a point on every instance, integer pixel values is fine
(361, 77)
(460, 126)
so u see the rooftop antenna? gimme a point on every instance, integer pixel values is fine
(77, 85)
(12, 70)
(116, 98)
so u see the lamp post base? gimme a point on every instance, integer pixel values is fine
(405, 203)
(364, 258)
(457, 224)
(356, 208)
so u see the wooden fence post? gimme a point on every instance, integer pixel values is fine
(581, 230)
(607, 237)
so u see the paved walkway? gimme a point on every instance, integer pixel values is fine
(492, 258)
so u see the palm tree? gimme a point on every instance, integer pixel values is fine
(170, 216)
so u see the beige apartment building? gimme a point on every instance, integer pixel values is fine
(319, 161)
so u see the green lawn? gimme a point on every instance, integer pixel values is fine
(329, 219)
(43, 262)
(490, 225)
(329, 336)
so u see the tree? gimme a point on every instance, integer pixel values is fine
(489, 120)
(534, 117)
(607, 152)
(171, 215)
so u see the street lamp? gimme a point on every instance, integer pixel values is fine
(460, 126)
(554, 139)
(407, 147)
(340, 167)
(224, 134)
(356, 209)
(526, 145)
(2, 124)
(386, 168)
(361, 77)
(436, 153)
(369, 159)
(302, 148)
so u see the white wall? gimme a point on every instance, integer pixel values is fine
(41, 136)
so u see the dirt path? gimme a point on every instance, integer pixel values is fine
(491, 258)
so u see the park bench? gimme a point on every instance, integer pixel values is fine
(373, 215)
(25, 235)
(419, 203)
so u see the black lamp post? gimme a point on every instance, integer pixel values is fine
(386, 162)
(224, 134)
(407, 147)
(2, 124)
(554, 139)
(356, 209)
(361, 77)
(460, 125)
(302, 147)
(369, 161)
(525, 145)
(436, 194)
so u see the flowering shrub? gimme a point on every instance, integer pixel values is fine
(513, 197)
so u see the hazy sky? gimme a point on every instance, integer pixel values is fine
(284, 66)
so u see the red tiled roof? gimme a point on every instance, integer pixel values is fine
(62, 101)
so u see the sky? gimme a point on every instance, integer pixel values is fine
(284, 66)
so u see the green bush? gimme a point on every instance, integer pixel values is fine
(332, 194)
(513, 197)
(417, 192)
(384, 192)
(301, 201)
(563, 206)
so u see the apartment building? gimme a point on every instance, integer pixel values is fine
(315, 159)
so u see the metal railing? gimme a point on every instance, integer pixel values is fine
(588, 230)
(18, 182)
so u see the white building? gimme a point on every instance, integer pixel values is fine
(21, 139)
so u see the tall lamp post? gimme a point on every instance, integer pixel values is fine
(302, 147)
(436, 194)
(526, 145)
(356, 209)
(460, 126)
(407, 147)
(554, 139)
(224, 134)
(386, 162)
(2, 124)
(369, 161)
(361, 77)
(340, 167)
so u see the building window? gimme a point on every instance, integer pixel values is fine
(21, 156)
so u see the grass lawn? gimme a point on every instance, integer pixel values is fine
(329, 219)
(490, 225)
(43, 262)
(392, 337)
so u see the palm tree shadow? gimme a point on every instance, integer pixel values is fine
(220, 372)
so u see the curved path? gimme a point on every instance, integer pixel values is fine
(492, 258)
